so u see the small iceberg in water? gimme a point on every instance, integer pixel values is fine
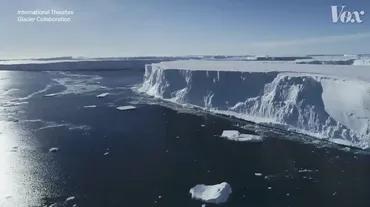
(218, 193)
(102, 95)
(54, 149)
(90, 106)
(123, 108)
(235, 135)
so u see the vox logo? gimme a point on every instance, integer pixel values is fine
(342, 14)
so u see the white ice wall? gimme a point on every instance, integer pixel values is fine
(319, 103)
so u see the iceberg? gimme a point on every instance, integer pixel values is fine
(53, 149)
(123, 108)
(71, 198)
(329, 102)
(102, 95)
(237, 136)
(216, 194)
(90, 106)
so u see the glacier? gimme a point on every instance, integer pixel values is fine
(329, 102)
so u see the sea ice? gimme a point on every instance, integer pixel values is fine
(90, 106)
(237, 136)
(50, 95)
(218, 193)
(258, 174)
(54, 149)
(123, 108)
(102, 95)
(71, 198)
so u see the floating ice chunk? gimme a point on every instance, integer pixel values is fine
(90, 106)
(237, 136)
(305, 170)
(159, 196)
(203, 205)
(218, 193)
(203, 125)
(53, 149)
(258, 174)
(53, 205)
(107, 153)
(50, 95)
(71, 198)
(102, 95)
(74, 205)
(122, 108)
(269, 188)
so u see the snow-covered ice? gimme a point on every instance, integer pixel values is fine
(123, 108)
(53, 149)
(102, 95)
(218, 193)
(326, 101)
(237, 136)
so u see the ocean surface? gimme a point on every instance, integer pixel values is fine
(152, 155)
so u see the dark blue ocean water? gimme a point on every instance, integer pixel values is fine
(154, 151)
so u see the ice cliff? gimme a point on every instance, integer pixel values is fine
(325, 101)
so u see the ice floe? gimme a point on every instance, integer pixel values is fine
(50, 95)
(54, 149)
(218, 193)
(71, 198)
(237, 136)
(123, 108)
(102, 95)
(90, 106)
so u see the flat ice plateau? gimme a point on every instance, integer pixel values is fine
(218, 193)
(326, 101)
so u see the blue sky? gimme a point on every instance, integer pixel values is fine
(183, 27)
